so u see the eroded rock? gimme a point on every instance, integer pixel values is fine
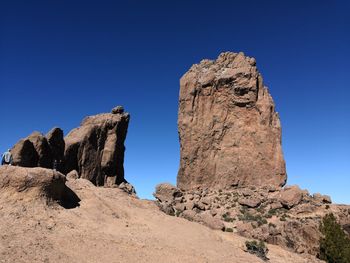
(96, 149)
(230, 133)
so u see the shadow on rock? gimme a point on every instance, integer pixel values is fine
(69, 199)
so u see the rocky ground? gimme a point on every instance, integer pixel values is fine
(288, 217)
(102, 224)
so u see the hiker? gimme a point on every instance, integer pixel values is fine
(7, 158)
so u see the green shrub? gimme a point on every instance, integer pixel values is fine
(246, 216)
(227, 217)
(257, 248)
(334, 243)
(228, 229)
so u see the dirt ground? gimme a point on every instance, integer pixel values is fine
(111, 226)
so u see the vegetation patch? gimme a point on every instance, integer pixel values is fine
(334, 244)
(257, 248)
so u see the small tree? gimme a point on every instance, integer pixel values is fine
(334, 244)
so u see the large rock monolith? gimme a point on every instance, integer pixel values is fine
(230, 133)
(96, 148)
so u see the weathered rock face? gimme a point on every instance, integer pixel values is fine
(96, 149)
(229, 131)
(24, 154)
(38, 150)
(55, 139)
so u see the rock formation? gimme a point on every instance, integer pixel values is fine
(96, 149)
(229, 131)
(38, 150)
(287, 217)
(34, 183)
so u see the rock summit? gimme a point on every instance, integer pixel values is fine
(230, 133)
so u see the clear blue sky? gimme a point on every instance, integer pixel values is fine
(63, 60)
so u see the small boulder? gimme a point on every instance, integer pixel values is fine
(128, 188)
(118, 110)
(326, 199)
(291, 196)
(167, 192)
(72, 175)
(251, 202)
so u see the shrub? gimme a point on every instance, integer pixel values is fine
(228, 229)
(257, 248)
(227, 217)
(246, 216)
(334, 243)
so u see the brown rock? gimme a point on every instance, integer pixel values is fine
(229, 131)
(42, 148)
(38, 150)
(326, 199)
(210, 221)
(24, 154)
(72, 175)
(291, 196)
(167, 192)
(96, 148)
(36, 182)
(250, 202)
(118, 110)
(189, 215)
(127, 188)
(55, 138)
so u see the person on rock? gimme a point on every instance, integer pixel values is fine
(6, 158)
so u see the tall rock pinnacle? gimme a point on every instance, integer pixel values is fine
(230, 134)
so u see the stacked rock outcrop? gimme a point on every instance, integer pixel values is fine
(96, 148)
(230, 133)
(38, 150)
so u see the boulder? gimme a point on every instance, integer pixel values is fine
(96, 148)
(33, 182)
(72, 175)
(326, 199)
(167, 193)
(118, 110)
(42, 148)
(24, 154)
(291, 196)
(38, 150)
(230, 133)
(250, 202)
(127, 188)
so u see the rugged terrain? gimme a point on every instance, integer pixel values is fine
(106, 225)
(287, 217)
